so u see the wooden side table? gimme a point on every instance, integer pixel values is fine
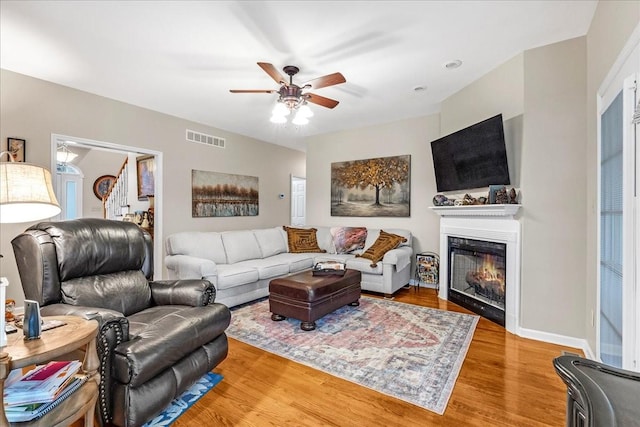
(54, 343)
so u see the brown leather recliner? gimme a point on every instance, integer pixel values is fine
(156, 338)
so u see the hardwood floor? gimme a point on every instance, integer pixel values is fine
(505, 381)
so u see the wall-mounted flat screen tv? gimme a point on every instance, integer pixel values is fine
(473, 157)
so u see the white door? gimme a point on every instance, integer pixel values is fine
(298, 200)
(618, 319)
(69, 181)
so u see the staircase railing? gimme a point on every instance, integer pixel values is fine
(117, 196)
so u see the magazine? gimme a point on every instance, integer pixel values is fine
(42, 384)
(32, 411)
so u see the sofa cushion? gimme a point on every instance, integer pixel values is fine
(347, 240)
(240, 246)
(325, 240)
(125, 291)
(296, 262)
(384, 243)
(271, 241)
(199, 244)
(269, 267)
(302, 240)
(230, 275)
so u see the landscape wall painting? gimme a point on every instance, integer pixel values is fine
(371, 187)
(221, 194)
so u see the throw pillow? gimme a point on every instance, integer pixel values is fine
(302, 240)
(384, 243)
(348, 239)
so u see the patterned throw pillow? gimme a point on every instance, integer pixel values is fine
(302, 240)
(384, 243)
(348, 239)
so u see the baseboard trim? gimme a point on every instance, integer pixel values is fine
(579, 343)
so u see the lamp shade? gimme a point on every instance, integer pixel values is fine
(26, 193)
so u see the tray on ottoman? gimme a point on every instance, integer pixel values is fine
(307, 298)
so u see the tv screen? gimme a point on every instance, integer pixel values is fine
(473, 157)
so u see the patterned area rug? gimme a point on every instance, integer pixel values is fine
(406, 351)
(190, 396)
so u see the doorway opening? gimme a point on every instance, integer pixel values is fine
(85, 147)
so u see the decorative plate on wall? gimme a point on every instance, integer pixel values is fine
(102, 184)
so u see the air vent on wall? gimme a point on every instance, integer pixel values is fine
(203, 138)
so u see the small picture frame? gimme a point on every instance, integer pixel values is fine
(145, 167)
(493, 189)
(102, 184)
(16, 148)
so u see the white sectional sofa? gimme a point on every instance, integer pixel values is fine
(241, 263)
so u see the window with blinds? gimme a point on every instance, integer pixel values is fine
(611, 229)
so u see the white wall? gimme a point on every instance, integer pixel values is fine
(33, 109)
(411, 137)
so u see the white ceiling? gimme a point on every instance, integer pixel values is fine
(182, 57)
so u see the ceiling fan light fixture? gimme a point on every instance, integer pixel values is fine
(278, 119)
(300, 120)
(64, 155)
(304, 111)
(281, 110)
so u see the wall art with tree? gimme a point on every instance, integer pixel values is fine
(371, 187)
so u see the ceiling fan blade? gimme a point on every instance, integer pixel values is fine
(252, 91)
(324, 81)
(273, 72)
(321, 100)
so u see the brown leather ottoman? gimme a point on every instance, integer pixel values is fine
(306, 297)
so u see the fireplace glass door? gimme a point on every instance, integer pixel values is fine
(477, 276)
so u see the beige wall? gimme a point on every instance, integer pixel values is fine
(611, 27)
(497, 92)
(411, 137)
(554, 195)
(34, 109)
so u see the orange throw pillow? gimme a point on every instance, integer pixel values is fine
(383, 244)
(302, 240)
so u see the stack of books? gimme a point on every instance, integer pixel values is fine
(35, 393)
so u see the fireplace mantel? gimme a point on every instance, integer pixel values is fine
(477, 210)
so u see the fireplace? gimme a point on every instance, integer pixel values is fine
(477, 279)
(480, 260)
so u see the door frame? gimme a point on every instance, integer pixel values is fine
(623, 76)
(158, 211)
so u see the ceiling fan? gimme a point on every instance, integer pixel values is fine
(293, 96)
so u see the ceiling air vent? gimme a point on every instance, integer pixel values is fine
(203, 138)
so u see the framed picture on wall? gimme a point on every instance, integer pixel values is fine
(145, 167)
(102, 184)
(16, 147)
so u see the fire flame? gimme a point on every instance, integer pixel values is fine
(490, 272)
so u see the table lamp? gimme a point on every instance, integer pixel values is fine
(26, 195)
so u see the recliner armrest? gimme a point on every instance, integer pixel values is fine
(195, 293)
